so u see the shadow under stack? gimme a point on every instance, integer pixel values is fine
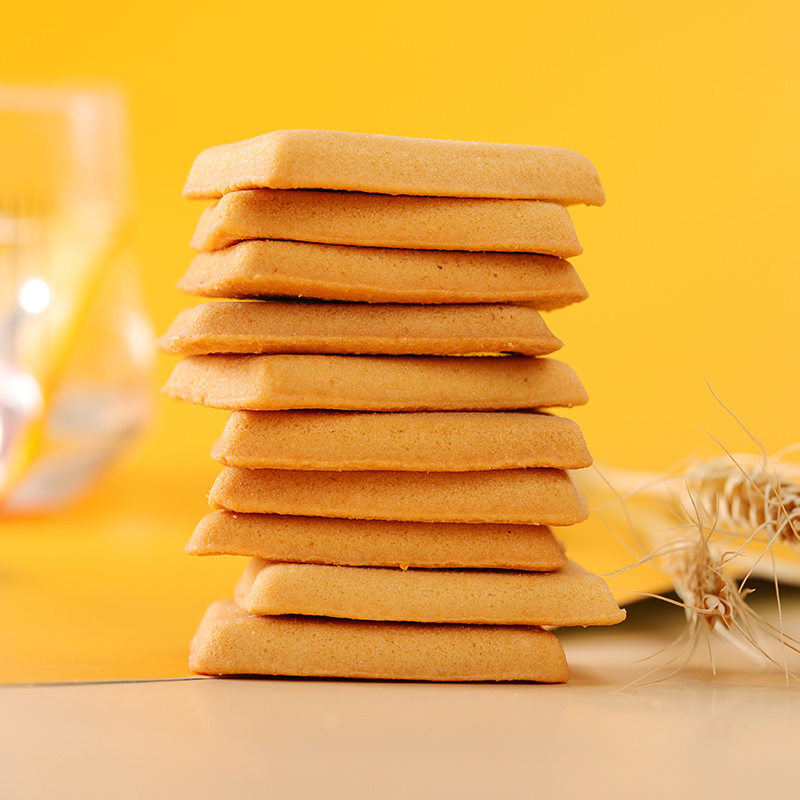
(388, 465)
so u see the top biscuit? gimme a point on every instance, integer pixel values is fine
(313, 159)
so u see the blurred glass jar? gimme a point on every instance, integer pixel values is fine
(75, 344)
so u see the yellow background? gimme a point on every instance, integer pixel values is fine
(689, 110)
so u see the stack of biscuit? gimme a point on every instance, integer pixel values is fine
(389, 465)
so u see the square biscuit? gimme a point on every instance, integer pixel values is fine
(569, 596)
(374, 383)
(421, 441)
(358, 542)
(231, 642)
(319, 159)
(358, 328)
(374, 220)
(270, 268)
(522, 496)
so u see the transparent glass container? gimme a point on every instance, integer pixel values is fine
(75, 343)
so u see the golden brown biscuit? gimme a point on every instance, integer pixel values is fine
(263, 267)
(374, 383)
(523, 496)
(232, 642)
(569, 596)
(315, 159)
(358, 328)
(375, 220)
(357, 542)
(422, 441)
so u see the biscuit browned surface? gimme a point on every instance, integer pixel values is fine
(432, 441)
(374, 383)
(569, 596)
(385, 464)
(232, 642)
(524, 496)
(374, 220)
(318, 159)
(260, 268)
(357, 542)
(355, 328)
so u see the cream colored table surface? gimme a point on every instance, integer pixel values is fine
(736, 734)
(100, 597)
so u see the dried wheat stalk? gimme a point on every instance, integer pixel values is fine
(730, 512)
(748, 496)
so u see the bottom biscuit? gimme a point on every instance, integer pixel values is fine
(231, 642)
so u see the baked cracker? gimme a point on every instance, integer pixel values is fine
(374, 383)
(569, 596)
(523, 496)
(319, 159)
(421, 441)
(231, 642)
(374, 220)
(358, 328)
(264, 267)
(357, 542)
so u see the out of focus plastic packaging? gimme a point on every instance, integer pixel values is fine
(75, 343)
